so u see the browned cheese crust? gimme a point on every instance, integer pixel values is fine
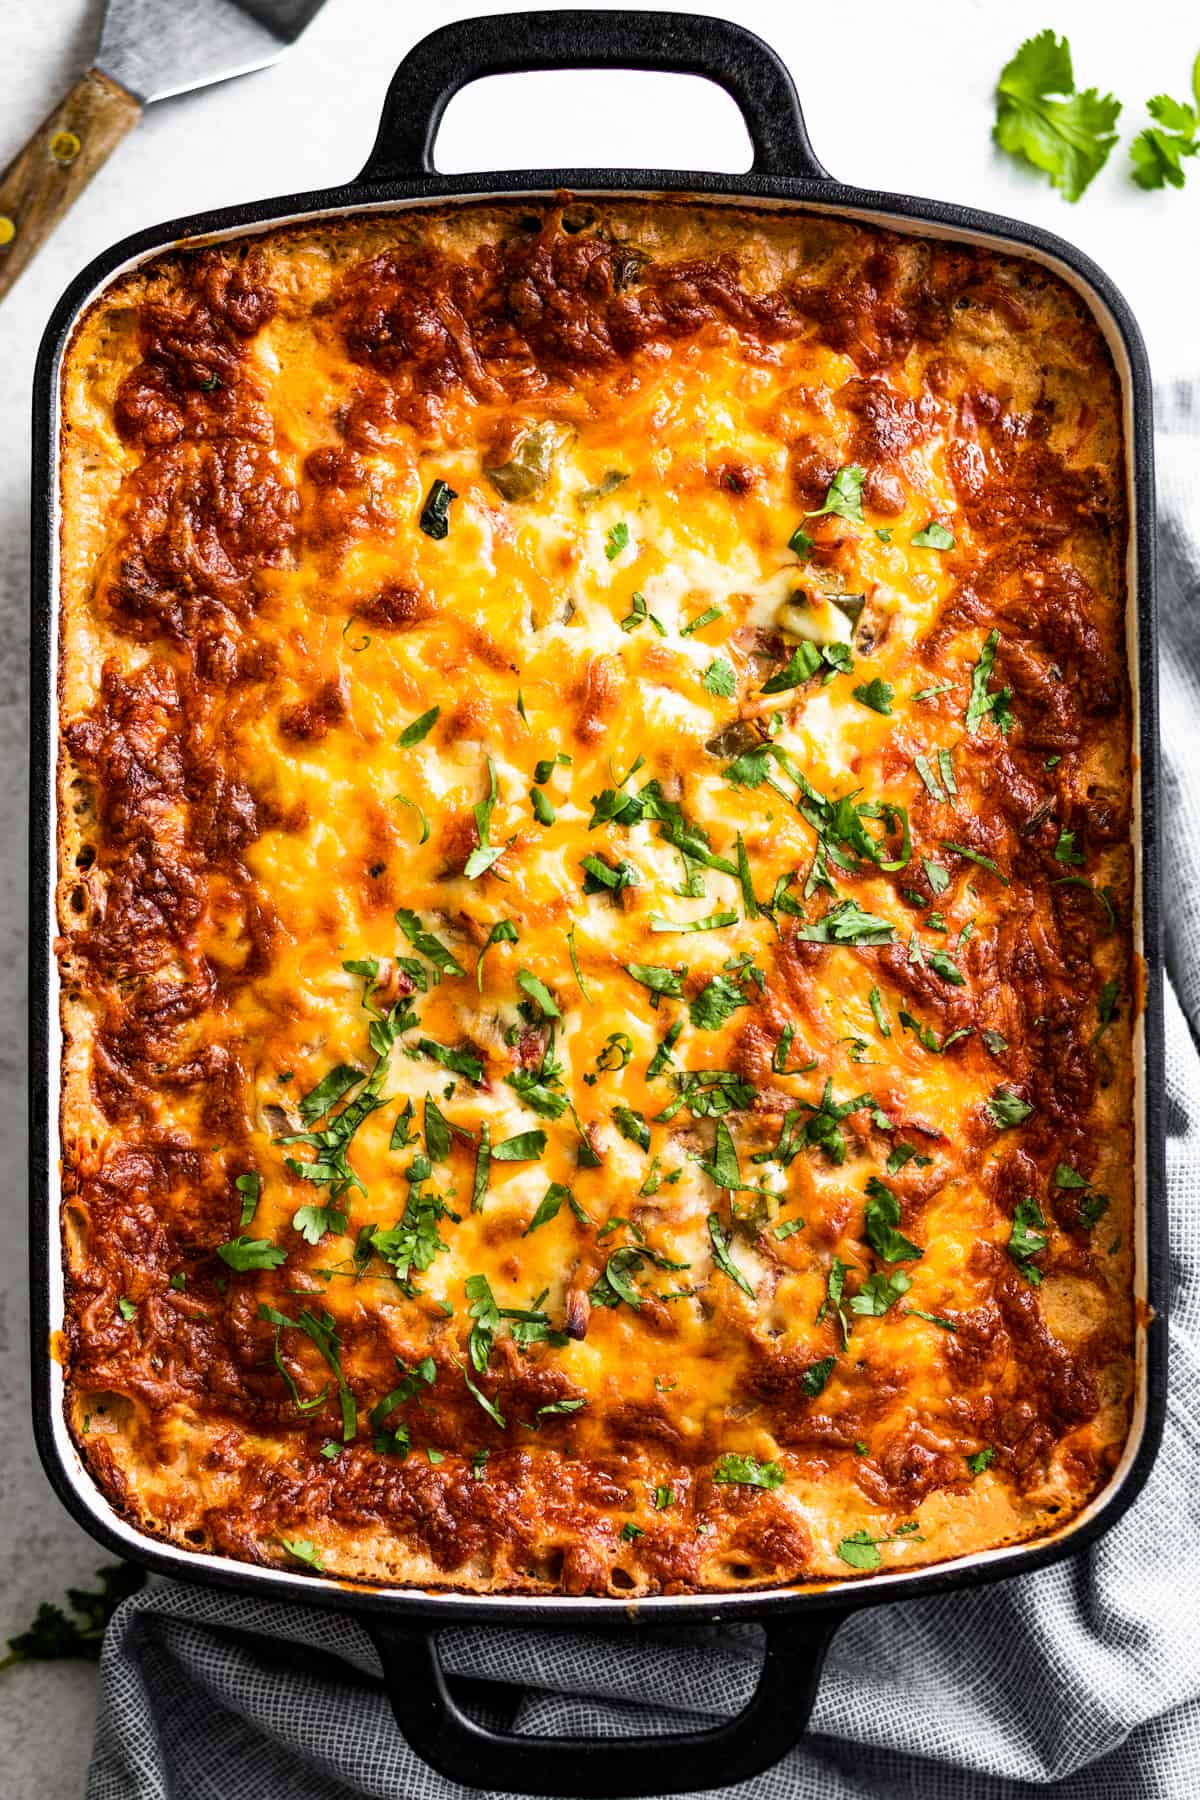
(749, 1203)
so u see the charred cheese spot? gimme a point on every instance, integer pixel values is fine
(302, 731)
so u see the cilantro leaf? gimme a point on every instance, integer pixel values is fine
(312, 1222)
(54, 1636)
(660, 981)
(420, 727)
(526, 1146)
(879, 1292)
(876, 694)
(1068, 138)
(1007, 1108)
(981, 702)
(816, 1375)
(719, 1238)
(1027, 1237)
(934, 537)
(715, 1003)
(746, 1471)
(539, 993)
(845, 496)
(847, 923)
(1157, 154)
(242, 1253)
(882, 1215)
(718, 678)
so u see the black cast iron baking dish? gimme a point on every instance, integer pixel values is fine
(798, 1623)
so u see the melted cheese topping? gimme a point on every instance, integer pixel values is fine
(564, 1253)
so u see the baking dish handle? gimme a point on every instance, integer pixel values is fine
(675, 1762)
(514, 43)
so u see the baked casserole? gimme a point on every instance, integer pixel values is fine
(595, 899)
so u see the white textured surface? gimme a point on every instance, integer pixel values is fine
(895, 96)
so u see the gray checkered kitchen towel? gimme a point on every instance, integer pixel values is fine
(1085, 1676)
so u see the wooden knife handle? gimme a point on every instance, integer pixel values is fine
(55, 166)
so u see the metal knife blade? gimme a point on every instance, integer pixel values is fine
(156, 48)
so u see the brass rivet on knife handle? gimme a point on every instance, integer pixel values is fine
(57, 163)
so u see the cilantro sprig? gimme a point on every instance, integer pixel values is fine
(1043, 120)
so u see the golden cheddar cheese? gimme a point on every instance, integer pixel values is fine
(595, 898)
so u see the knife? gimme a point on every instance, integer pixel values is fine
(149, 50)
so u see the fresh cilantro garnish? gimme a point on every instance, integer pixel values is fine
(639, 614)
(1007, 1108)
(845, 496)
(879, 1292)
(714, 922)
(719, 1238)
(937, 877)
(860, 1549)
(719, 679)
(250, 1188)
(915, 1312)
(700, 621)
(320, 1331)
(981, 1460)
(539, 993)
(543, 806)
(616, 540)
(707, 1093)
(661, 982)
(526, 1146)
(421, 727)
(927, 1038)
(975, 856)
(924, 768)
(716, 1002)
(242, 1253)
(847, 923)
(934, 537)
(876, 694)
(800, 544)
(427, 945)
(1158, 151)
(1092, 1205)
(1068, 138)
(816, 1375)
(312, 1222)
(502, 932)
(807, 660)
(601, 877)
(435, 514)
(788, 1228)
(550, 1205)
(128, 1308)
(881, 1216)
(1027, 1238)
(632, 1126)
(1065, 850)
(943, 964)
(835, 1287)
(395, 1441)
(459, 1062)
(981, 702)
(487, 853)
(1103, 896)
(904, 1154)
(56, 1636)
(747, 1471)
